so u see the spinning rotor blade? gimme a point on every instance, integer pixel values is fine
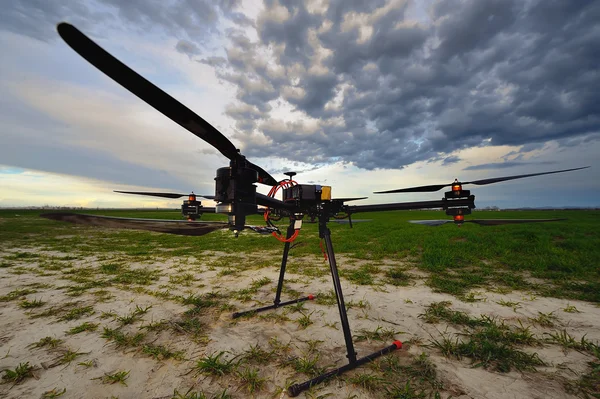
(499, 179)
(345, 221)
(163, 195)
(179, 227)
(349, 199)
(431, 222)
(152, 95)
(484, 222)
(496, 222)
(424, 189)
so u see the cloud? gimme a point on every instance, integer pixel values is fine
(388, 91)
(186, 47)
(451, 160)
(92, 133)
(183, 19)
(330, 88)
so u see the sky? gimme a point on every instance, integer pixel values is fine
(362, 96)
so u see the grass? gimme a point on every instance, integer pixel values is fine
(556, 259)
(36, 303)
(122, 339)
(405, 377)
(114, 378)
(564, 339)
(160, 352)
(76, 313)
(307, 364)
(87, 326)
(16, 294)
(20, 373)
(544, 319)
(367, 381)
(134, 316)
(378, 334)
(47, 342)
(501, 253)
(251, 380)
(488, 342)
(304, 321)
(256, 354)
(68, 356)
(54, 393)
(215, 364)
(199, 395)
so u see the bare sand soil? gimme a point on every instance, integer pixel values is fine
(80, 361)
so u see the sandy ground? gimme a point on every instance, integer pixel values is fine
(386, 306)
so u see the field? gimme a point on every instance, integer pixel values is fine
(483, 312)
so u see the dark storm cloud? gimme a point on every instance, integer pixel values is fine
(183, 19)
(387, 92)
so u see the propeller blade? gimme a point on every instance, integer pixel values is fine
(424, 189)
(420, 189)
(179, 227)
(263, 176)
(499, 179)
(431, 222)
(163, 195)
(151, 94)
(496, 222)
(349, 199)
(484, 222)
(345, 221)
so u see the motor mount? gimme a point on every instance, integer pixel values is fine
(235, 194)
(191, 208)
(457, 193)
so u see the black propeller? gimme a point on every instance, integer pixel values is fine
(436, 187)
(154, 96)
(346, 221)
(349, 199)
(163, 195)
(484, 222)
(179, 227)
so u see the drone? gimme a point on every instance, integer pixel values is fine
(236, 196)
(191, 209)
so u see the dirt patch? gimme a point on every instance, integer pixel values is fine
(382, 308)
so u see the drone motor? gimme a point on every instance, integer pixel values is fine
(457, 193)
(235, 194)
(191, 207)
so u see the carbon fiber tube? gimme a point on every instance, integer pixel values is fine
(296, 389)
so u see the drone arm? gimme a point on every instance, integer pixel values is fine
(271, 202)
(404, 206)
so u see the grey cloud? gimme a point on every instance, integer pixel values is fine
(183, 19)
(451, 160)
(85, 163)
(213, 61)
(318, 89)
(578, 141)
(493, 72)
(474, 25)
(186, 47)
